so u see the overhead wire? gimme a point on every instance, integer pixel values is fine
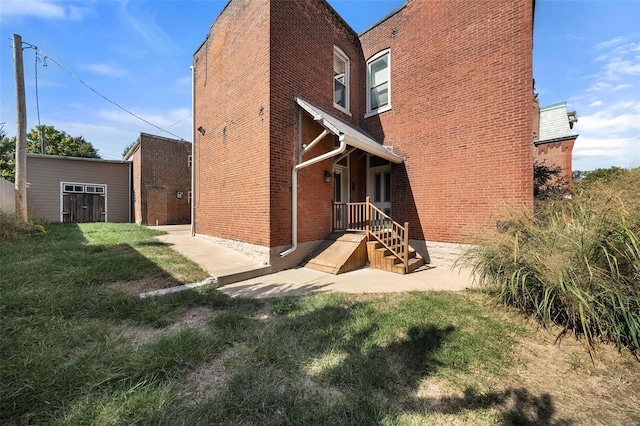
(40, 132)
(46, 56)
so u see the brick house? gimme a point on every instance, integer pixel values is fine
(553, 146)
(428, 113)
(161, 180)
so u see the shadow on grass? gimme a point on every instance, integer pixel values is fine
(334, 365)
(63, 330)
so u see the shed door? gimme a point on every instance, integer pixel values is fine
(83, 203)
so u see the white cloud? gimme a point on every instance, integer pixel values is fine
(596, 103)
(607, 122)
(610, 43)
(145, 25)
(112, 130)
(45, 9)
(162, 119)
(107, 69)
(592, 152)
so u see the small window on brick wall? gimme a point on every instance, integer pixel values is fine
(340, 80)
(189, 160)
(189, 197)
(379, 83)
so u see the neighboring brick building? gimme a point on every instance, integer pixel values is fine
(161, 180)
(554, 145)
(428, 112)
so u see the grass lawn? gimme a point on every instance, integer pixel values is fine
(78, 347)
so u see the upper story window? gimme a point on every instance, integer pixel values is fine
(189, 160)
(340, 80)
(379, 83)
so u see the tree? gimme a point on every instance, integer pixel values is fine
(603, 175)
(549, 183)
(127, 148)
(7, 160)
(58, 143)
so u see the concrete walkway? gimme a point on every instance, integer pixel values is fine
(241, 276)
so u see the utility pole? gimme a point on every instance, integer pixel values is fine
(21, 132)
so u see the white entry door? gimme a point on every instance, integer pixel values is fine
(379, 188)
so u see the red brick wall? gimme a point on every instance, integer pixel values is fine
(556, 154)
(232, 106)
(163, 165)
(461, 75)
(303, 35)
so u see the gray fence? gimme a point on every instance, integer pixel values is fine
(7, 196)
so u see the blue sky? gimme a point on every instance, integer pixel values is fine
(137, 53)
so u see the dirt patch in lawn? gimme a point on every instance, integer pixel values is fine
(197, 317)
(208, 380)
(603, 392)
(145, 284)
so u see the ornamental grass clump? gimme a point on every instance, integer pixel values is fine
(575, 263)
(11, 229)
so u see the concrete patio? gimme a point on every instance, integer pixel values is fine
(240, 276)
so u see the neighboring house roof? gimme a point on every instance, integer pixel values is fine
(353, 136)
(136, 145)
(63, 157)
(556, 123)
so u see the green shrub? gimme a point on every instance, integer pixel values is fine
(11, 229)
(575, 262)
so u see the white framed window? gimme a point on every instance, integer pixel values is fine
(94, 189)
(379, 83)
(189, 197)
(340, 80)
(70, 187)
(189, 160)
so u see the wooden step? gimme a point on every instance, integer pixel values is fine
(414, 264)
(382, 258)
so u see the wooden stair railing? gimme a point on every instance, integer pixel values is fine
(377, 225)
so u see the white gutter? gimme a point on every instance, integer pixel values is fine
(193, 148)
(294, 186)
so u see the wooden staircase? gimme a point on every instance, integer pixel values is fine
(362, 233)
(381, 257)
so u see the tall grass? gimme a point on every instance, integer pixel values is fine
(11, 229)
(574, 262)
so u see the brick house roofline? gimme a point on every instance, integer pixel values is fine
(137, 144)
(560, 139)
(383, 19)
(331, 9)
(553, 106)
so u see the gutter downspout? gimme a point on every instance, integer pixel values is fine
(294, 187)
(193, 150)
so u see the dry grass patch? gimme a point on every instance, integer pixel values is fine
(145, 284)
(603, 392)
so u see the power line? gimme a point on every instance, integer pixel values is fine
(45, 56)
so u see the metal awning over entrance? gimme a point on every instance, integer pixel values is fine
(352, 135)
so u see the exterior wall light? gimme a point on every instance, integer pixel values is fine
(327, 176)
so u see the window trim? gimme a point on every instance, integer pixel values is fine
(374, 58)
(347, 66)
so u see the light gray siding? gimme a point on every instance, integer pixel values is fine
(554, 122)
(46, 172)
(7, 196)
